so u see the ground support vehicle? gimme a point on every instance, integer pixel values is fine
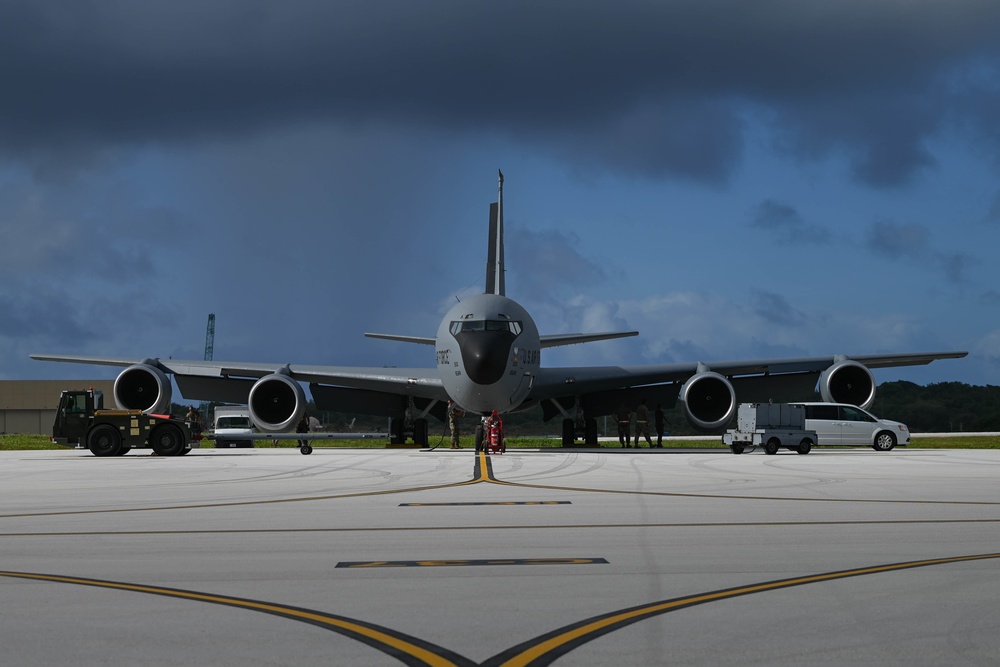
(772, 426)
(82, 421)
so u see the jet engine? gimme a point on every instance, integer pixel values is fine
(709, 400)
(276, 403)
(143, 387)
(848, 382)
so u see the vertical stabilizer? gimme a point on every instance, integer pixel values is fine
(494, 264)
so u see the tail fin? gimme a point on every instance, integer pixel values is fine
(494, 263)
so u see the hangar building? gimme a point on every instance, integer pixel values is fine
(29, 406)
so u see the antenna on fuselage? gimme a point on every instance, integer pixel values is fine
(494, 264)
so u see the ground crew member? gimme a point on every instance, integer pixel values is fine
(660, 418)
(642, 423)
(303, 427)
(624, 419)
(454, 412)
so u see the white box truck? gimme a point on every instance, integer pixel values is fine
(771, 425)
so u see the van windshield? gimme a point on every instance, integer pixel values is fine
(233, 422)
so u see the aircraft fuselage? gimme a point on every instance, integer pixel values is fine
(488, 353)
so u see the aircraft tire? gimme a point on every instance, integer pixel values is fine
(479, 438)
(167, 440)
(396, 436)
(420, 432)
(590, 437)
(306, 450)
(568, 433)
(104, 440)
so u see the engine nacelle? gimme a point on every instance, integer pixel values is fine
(276, 403)
(848, 382)
(709, 401)
(143, 387)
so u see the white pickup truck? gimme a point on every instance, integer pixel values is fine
(771, 425)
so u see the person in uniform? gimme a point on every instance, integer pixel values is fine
(660, 421)
(642, 423)
(454, 412)
(624, 419)
(303, 427)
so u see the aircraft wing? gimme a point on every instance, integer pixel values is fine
(572, 339)
(402, 381)
(556, 382)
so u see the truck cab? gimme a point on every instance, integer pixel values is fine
(73, 415)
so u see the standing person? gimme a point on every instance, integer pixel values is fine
(624, 420)
(303, 427)
(454, 412)
(660, 419)
(642, 423)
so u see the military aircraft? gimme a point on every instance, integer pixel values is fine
(488, 357)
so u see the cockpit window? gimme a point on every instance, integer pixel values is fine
(485, 325)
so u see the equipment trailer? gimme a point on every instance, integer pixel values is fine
(773, 425)
(82, 421)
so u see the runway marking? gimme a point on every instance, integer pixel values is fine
(549, 647)
(549, 527)
(537, 652)
(409, 650)
(484, 502)
(476, 562)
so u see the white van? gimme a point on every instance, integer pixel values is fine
(232, 421)
(849, 425)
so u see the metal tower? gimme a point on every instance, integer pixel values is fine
(210, 337)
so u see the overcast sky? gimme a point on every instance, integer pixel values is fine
(733, 179)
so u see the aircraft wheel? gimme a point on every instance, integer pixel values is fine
(736, 449)
(167, 440)
(771, 447)
(420, 432)
(884, 441)
(479, 438)
(590, 436)
(104, 440)
(396, 436)
(568, 433)
(805, 446)
(306, 449)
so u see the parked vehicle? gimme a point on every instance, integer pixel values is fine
(771, 426)
(81, 420)
(231, 424)
(849, 425)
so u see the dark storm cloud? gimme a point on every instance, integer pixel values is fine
(786, 224)
(775, 309)
(912, 242)
(652, 88)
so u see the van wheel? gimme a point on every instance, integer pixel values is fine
(104, 440)
(805, 446)
(167, 440)
(884, 441)
(771, 447)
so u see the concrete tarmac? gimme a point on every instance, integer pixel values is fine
(597, 557)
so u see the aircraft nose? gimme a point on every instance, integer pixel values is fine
(485, 354)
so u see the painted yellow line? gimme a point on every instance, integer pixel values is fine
(380, 639)
(561, 642)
